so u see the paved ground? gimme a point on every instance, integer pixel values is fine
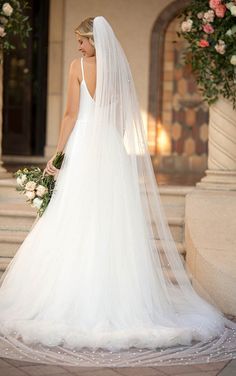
(16, 368)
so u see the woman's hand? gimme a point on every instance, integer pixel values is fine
(50, 169)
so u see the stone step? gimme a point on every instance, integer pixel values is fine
(176, 225)
(4, 262)
(16, 220)
(10, 241)
(179, 245)
(174, 194)
(8, 188)
(17, 217)
(169, 194)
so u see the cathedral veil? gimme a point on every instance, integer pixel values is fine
(117, 114)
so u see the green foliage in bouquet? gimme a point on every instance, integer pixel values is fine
(13, 21)
(209, 26)
(36, 186)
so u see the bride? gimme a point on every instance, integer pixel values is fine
(99, 279)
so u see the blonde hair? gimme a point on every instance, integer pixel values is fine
(85, 29)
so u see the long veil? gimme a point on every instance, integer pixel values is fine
(117, 114)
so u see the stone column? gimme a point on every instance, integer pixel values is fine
(3, 171)
(55, 82)
(221, 172)
(210, 220)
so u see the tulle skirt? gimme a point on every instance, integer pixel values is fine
(84, 278)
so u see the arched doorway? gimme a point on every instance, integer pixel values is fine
(178, 118)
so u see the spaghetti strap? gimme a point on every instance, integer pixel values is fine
(82, 67)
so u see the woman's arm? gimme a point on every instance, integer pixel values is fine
(70, 114)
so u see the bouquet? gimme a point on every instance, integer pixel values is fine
(209, 26)
(37, 186)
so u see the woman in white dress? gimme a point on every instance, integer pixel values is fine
(99, 279)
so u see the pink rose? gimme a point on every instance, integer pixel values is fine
(208, 29)
(203, 43)
(214, 3)
(220, 10)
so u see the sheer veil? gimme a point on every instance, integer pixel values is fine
(117, 113)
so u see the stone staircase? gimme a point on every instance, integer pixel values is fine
(17, 217)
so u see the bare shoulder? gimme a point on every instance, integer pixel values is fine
(75, 68)
(75, 64)
(90, 61)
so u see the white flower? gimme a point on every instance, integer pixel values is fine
(7, 9)
(233, 10)
(41, 190)
(30, 195)
(30, 186)
(229, 5)
(18, 180)
(229, 32)
(220, 47)
(200, 15)
(2, 31)
(37, 202)
(209, 16)
(186, 26)
(21, 179)
(233, 60)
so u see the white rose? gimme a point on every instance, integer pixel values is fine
(30, 195)
(41, 190)
(220, 47)
(229, 5)
(233, 60)
(2, 31)
(200, 15)
(233, 10)
(229, 32)
(186, 26)
(30, 186)
(37, 202)
(7, 9)
(20, 180)
(23, 178)
(209, 16)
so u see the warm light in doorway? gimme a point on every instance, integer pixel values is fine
(163, 140)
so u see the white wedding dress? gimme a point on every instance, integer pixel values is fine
(83, 277)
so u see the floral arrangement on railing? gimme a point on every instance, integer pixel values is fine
(209, 26)
(13, 21)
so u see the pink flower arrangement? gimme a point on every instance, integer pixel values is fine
(210, 30)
